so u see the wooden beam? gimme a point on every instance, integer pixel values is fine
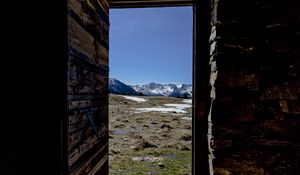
(201, 87)
(148, 3)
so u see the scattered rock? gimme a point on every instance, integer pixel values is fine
(187, 118)
(136, 136)
(187, 127)
(114, 152)
(137, 158)
(186, 137)
(146, 144)
(165, 126)
(170, 146)
(146, 159)
(184, 148)
(134, 148)
(154, 137)
(166, 121)
(161, 165)
(147, 132)
(119, 126)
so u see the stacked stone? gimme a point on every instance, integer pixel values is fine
(255, 48)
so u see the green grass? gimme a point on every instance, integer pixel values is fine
(176, 163)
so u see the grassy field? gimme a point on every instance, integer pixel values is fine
(149, 142)
(152, 162)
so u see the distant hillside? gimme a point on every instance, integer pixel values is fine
(151, 89)
(117, 87)
(172, 90)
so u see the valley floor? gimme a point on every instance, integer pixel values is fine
(149, 135)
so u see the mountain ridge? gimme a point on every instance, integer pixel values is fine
(151, 89)
(117, 87)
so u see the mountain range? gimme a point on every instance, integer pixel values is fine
(151, 89)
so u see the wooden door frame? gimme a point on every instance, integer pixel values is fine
(35, 123)
(201, 73)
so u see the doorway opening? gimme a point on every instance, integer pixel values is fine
(150, 100)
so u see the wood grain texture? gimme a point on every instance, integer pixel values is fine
(92, 19)
(87, 78)
(89, 165)
(87, 86)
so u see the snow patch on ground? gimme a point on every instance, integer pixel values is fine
(177, 108)
(187, 101)
(161, 109)
(177, 114)
(187, 118)
(137, 99)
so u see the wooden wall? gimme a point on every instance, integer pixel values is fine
(87, 123)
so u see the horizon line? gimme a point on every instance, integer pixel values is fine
(164, 83)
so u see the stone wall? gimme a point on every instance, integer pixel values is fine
(255, 51)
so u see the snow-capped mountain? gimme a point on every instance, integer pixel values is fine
(151, 89)
(156, 89)
(117, 87)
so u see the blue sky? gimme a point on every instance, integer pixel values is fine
(151, 45)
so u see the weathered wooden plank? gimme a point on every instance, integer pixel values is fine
(84, 105)
(98, 86)
(80, 104)
(83, 80)
(93, 9)
(82, 60)
(76, 117)
(88, 165)
(75, 138)
(81, 40)
(77, 126)
(73, 155)
(103, 52)
(98, 166)
(96, 23)
(148, 3)
(76, 153)
(81, 97)
(75, 5)
(101, 4)
(88, 27)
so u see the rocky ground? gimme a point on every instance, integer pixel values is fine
(149, 135)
